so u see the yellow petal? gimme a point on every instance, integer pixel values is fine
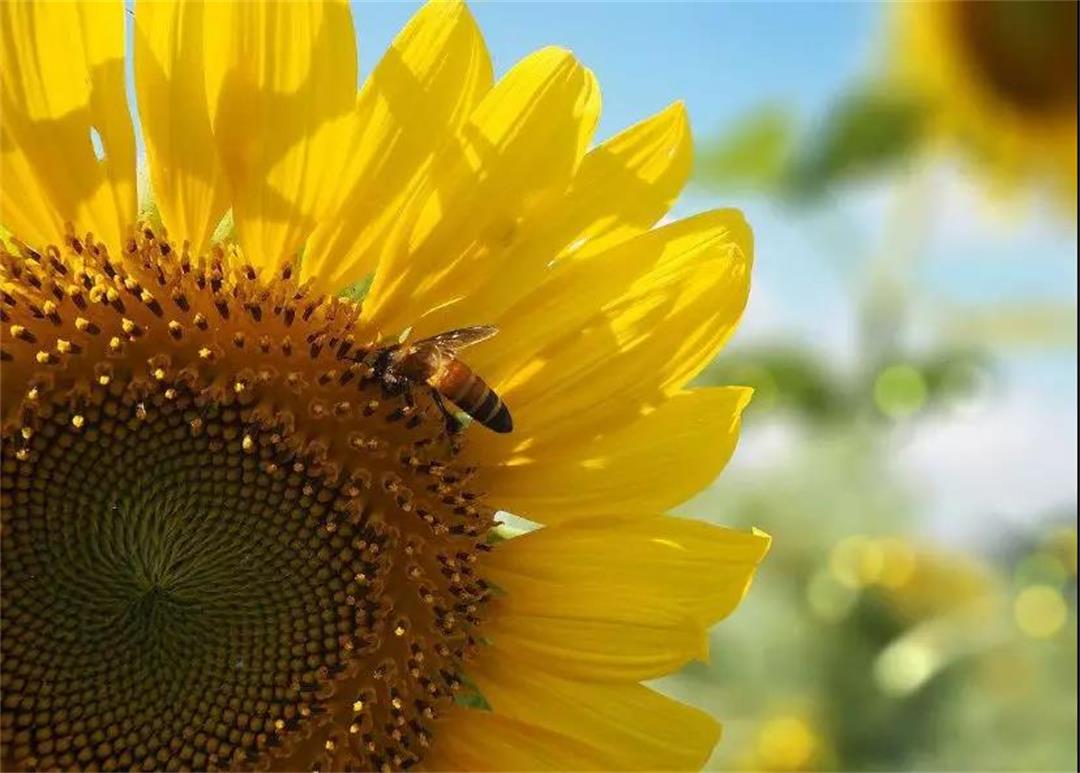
(188, 181)
(695, 272)
(609, 335)
(516, 154)
(649, 465)
(684, 564)
(470, 739)
(582, 632)
(281, 86)
(422, 91)
(25, 208)
(627, 726)
(625, 184)
(62, 86)
(621, 188)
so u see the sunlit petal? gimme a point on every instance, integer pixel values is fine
(65, 113)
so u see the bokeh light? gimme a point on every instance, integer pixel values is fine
(900, 391)
(787, 743)
(1040, 611)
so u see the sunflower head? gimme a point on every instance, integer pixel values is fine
(242, 525)
(1000, 78)
(206, 481)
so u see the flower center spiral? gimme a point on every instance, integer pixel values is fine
(225, 542)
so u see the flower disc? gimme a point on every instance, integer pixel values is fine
(225, 542)
(1025, 51)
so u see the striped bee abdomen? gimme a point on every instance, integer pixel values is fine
(457, 383)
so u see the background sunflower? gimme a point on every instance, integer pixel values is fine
(999, 80)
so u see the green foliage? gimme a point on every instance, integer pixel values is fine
(152, 215)
(783, 377)
(358, 290)
(869, 131)
(754, 153)
(225, 230)
(470, 695)
(890, 730)
(952, 374)
(798, 382)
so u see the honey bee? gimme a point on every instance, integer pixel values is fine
(434, 361)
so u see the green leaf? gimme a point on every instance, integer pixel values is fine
(470, 695)
(784, 378)
(867, 133)
(754, 153)
(358, 289)
(225, 230)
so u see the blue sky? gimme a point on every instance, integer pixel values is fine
(721, 58)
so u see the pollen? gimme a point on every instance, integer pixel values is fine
(207, 552)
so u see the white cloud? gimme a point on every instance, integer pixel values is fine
(1012, 460)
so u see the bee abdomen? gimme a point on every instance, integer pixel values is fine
(497, 415)
(469, 392)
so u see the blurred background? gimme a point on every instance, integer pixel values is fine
(910, 173)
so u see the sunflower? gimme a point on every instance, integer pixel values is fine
(999, 79)
(236, 531)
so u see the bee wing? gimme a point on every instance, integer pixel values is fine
(453, 340)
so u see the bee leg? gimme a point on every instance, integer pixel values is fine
(393, 385)
(383, 371)
(453, 426)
